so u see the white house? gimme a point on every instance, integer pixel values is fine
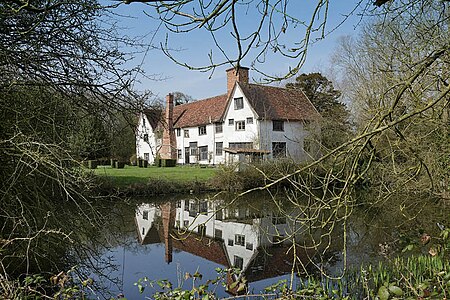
(149, 134)
(250, 122)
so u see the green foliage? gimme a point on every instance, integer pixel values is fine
(165, 163)
(257, 175)
(64, 286)
(335, 123)
(89, 139)
(164, 289)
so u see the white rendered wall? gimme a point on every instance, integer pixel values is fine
(144, 225)
(230, 134)
(293, 135)
(142, 146)
(208, 140)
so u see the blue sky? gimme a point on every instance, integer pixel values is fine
(197, 44)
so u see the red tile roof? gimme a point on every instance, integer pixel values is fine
(200, 112)
(270, 103)
(274, 103)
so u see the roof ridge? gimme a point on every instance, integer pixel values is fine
(200, 100)
(271, 86)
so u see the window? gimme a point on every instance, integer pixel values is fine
(230, 242)
(186, 133)
(193, 148)
(143, 230)
(145, 215)
(239, 239)
(238, 262)
(146, 156)
(250, 120)
(240, 125)
(201, 229)
(278, 219)
(178, 131)
(242, 145)
(143, 121)
(219, 148)
(186, 205)
(203, 153)
(278, 125)
(230, 122)
(146, 137)
(279, 149)
(218, 233)
(238, 103)
(218, 127)
(249, 246)
(179, 154)
(186, 224)
(201, 130)
(219, 215)
(203, 207)
(193, 209)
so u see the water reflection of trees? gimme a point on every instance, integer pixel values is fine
(73, 237)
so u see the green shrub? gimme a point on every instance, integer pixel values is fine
(157, 161)
(168, 162)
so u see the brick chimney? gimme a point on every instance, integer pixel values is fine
(169, 143)
(168, 220)
(239, 74)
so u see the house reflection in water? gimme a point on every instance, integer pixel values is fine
(232, 237)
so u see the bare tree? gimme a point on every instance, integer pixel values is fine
(59, 60)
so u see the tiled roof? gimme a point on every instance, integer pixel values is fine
(154, 116)
(202, 246)
(200, 112)
(270, 103)
(274, 103)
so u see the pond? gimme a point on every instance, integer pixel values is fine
(173, 238)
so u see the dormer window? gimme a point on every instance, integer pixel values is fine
(238, 103)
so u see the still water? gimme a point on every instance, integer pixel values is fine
(167, 238)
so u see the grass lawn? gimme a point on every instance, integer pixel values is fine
(132, 174)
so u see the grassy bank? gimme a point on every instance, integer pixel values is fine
(154, 180)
